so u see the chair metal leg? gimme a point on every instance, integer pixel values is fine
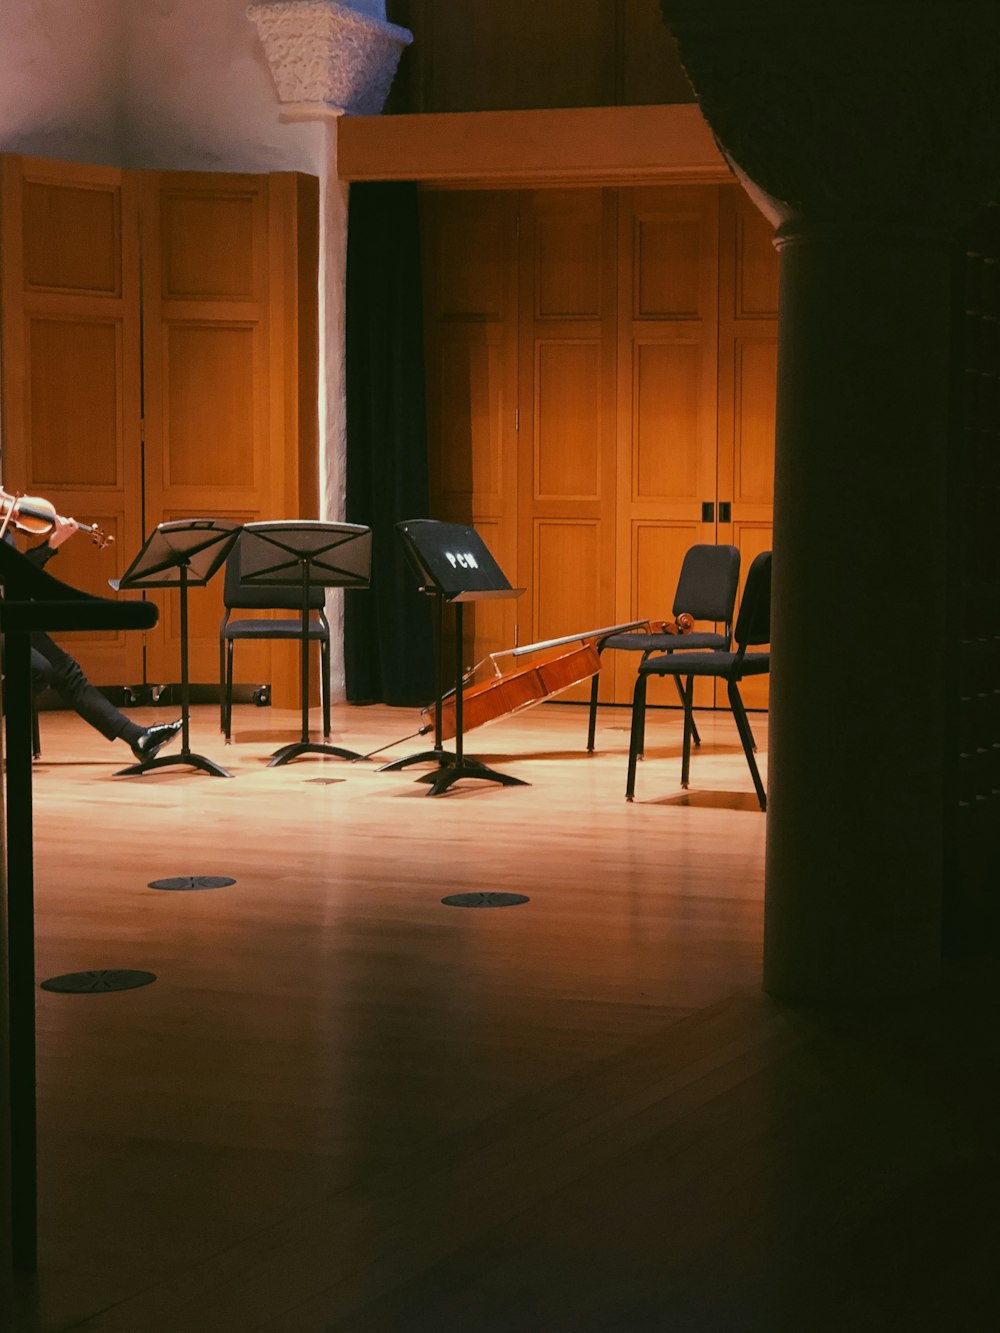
(228, 693)
(746, 736)
(592, 722)
(222, 683)
(36, 742)
(687, 709)
(686, 696)
(324, 685)
(637, 734)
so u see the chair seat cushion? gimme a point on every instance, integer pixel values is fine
(271, 629)
(706, 664)
(662, 643)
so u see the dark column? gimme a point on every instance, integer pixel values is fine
(865, 138)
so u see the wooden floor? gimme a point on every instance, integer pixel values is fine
(346, 1106)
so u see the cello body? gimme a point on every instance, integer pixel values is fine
(512, 691)
(566, 662)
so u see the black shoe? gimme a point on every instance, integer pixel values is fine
(153, 739)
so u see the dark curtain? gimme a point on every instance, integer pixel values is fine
(388, 638)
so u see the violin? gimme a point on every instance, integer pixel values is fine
(37, 516)
(567, 662)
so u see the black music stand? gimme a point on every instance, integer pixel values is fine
(453, 565)
(309, 554)
(32, 601)
(182, 554)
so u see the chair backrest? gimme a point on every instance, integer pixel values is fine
(238, 595)
(707, 585)
(753, 624)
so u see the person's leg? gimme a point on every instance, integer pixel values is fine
(53, 667)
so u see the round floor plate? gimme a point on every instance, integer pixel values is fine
(484, 899)
(193, 882)
(98, 981)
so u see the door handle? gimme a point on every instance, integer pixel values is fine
(707, 511)
(725, 511)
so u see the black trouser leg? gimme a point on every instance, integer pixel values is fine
(53, 668)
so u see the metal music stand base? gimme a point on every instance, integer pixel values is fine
(466, 768)
(164, 760)
(452, 766)
(289, 752)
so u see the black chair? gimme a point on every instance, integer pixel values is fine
(753, 627)
(239, 596)
(706, 590)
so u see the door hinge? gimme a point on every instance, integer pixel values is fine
(517, 418)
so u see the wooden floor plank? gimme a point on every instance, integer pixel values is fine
(327, 1020)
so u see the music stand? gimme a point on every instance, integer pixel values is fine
(310, 554)
(453, 565)
(182, 554)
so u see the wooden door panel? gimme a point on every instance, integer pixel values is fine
(74, 404)
(667, 448)
(671, 264)
(470, 313)
(567, 392)
(568, 244)
(568, 593)
(568, 420)
(214, 397)
(467, 445)
(222, 356)
(755, 366)
(72, 231)
(71, 372)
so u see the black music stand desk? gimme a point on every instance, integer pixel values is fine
(183, 554)
(306, 553)
(453, 565)
(32, 601)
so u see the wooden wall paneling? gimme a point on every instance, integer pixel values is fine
(223, 409)
(667, 393)
(566, 446)
(476, 55)
(71, 371)
(470, 302)
(748, 332)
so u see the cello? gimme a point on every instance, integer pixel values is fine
(567, 662)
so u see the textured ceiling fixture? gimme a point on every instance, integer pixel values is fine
(334, 55)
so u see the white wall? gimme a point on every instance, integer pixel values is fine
(198, 94)
(60, 77)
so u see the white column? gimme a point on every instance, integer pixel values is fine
(328, 60)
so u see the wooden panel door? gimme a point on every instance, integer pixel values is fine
(71, 372)
(226, 431)
(667, 385)
(566, 443)
(748, 344)
(470, 285)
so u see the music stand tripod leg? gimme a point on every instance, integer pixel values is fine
(463, 767)
(184, 755)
